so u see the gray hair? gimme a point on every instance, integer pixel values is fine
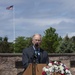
(35, 35)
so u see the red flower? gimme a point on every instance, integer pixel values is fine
(43, 73)
(62, 74)
(52, 62)
(67, 68)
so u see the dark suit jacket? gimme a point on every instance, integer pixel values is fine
(28, 55)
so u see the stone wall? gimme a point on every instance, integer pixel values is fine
(11, 64)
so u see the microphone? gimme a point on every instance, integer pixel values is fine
(36, 45)
(35, 56)
(36, 51)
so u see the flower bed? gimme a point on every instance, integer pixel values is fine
(56, 68)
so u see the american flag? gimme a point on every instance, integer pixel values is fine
(10, 7)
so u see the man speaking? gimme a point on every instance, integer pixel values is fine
(34, 54)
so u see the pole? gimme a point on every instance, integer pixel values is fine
(13, 21)
(14, 26)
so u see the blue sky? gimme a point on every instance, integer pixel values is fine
(35, 16)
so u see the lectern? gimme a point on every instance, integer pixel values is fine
(34, 69)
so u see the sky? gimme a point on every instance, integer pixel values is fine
(35, 16)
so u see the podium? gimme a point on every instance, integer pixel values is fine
(34, 69)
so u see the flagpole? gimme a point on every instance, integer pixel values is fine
(14, 26)
(13, 21)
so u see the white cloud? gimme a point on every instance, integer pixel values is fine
(36, 16)
(71, 34)
(42, 21)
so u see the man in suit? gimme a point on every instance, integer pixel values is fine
(34, 54)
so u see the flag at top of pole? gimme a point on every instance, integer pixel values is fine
(10, 7)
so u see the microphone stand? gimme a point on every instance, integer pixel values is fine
(34, 61)
(34, 65)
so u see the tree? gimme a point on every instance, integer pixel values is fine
(0, 44)
(73, 39)
(66, 45)
(21, 43)
(5, 46)
(0, 39)
(50, 40)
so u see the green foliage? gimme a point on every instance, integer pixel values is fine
(73, 39)
(66, 46)
(5, 46)
(21, 43)
(50, 40)
(0, 39)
